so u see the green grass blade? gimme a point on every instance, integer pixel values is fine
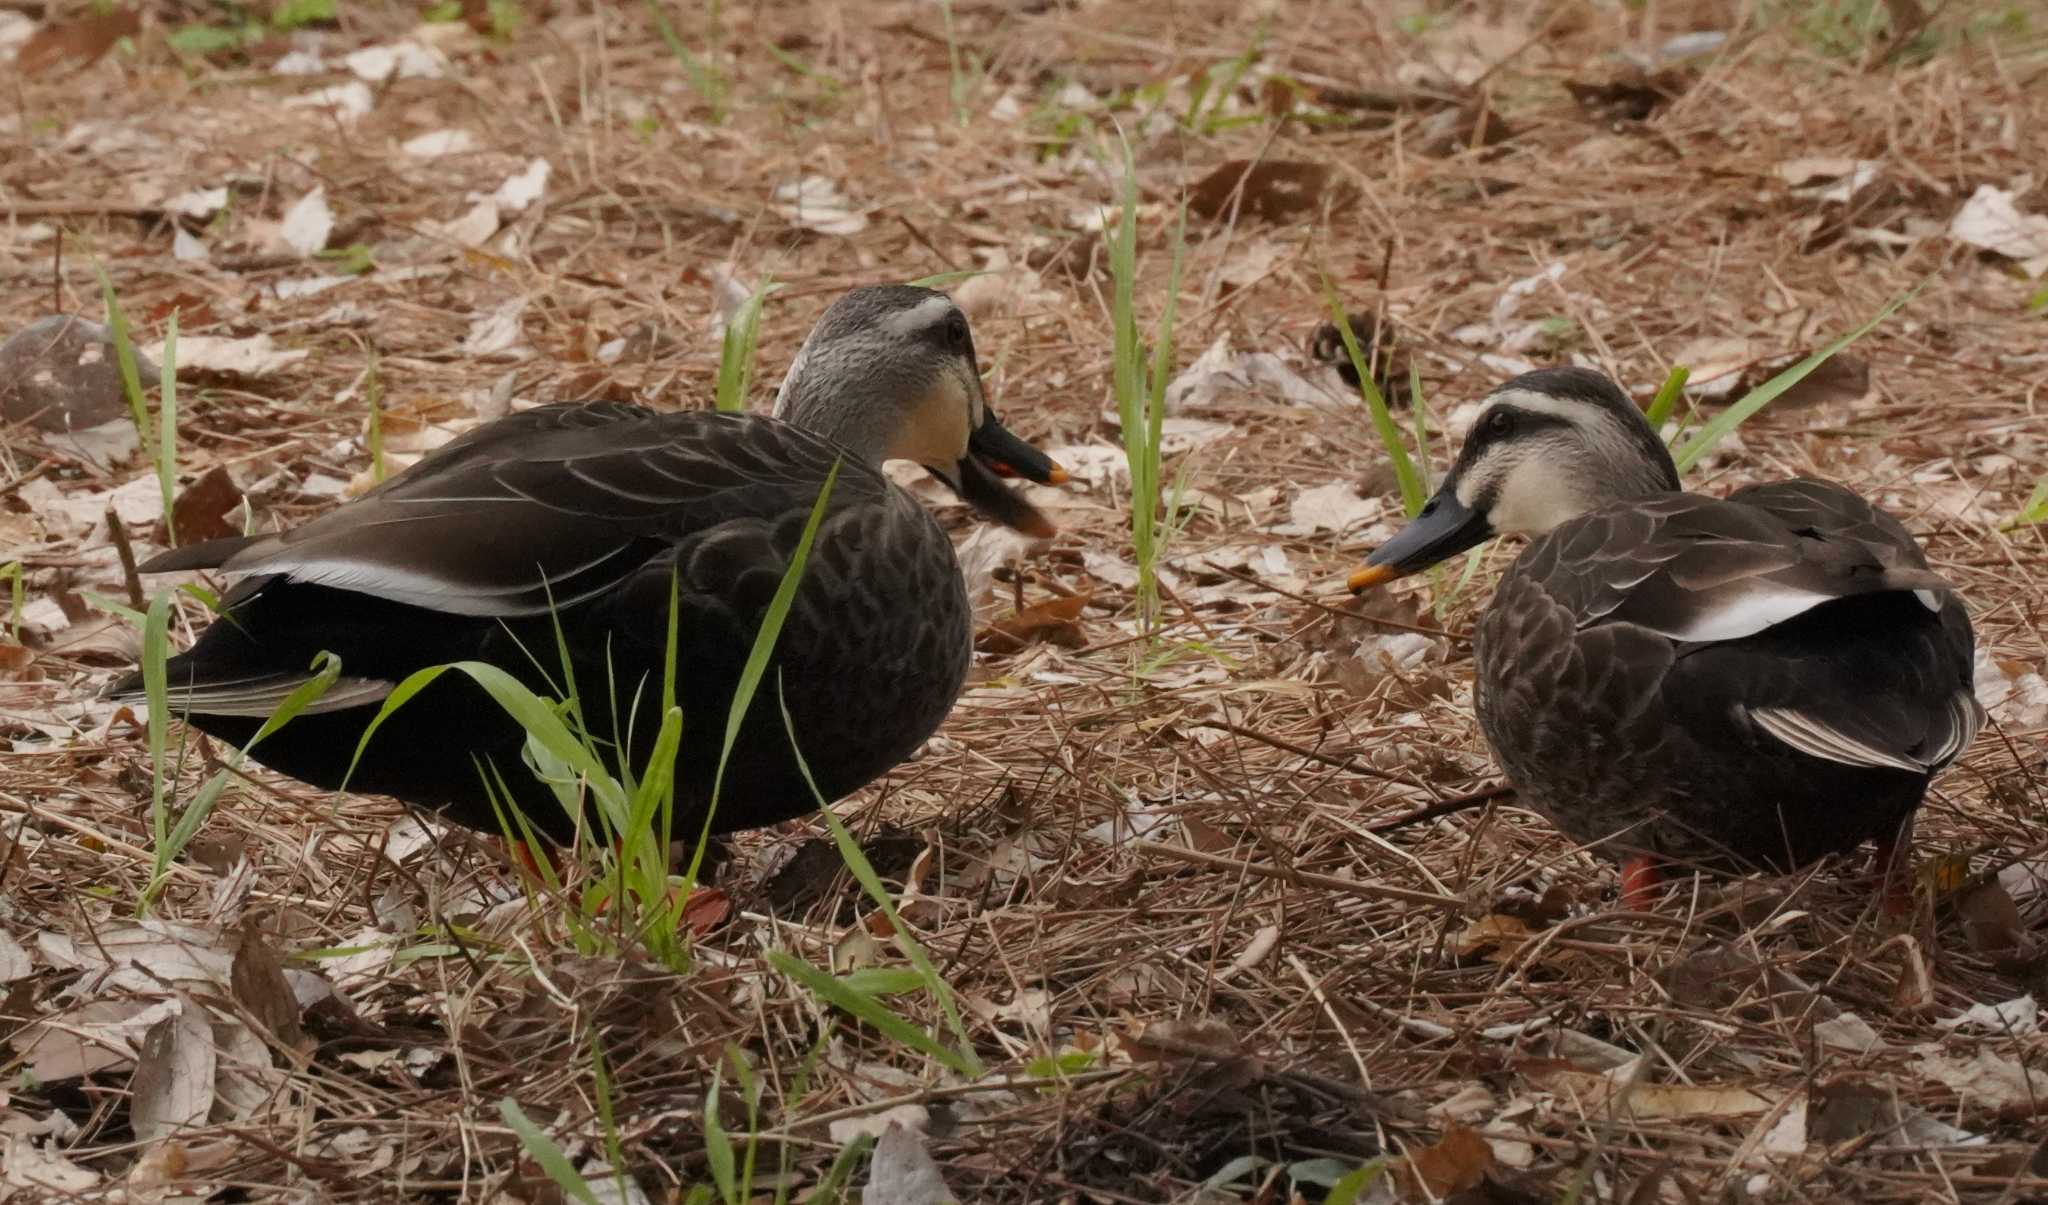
(702, 79)
(547, 1154)
(11, 573)
(863, 872)
(1734, 416)
(1666, 400)
(736, 351)
(167, 426)
(839, 994)
(717, 1143)
(1412, 493)
(764, 647)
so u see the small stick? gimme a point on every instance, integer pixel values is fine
(1301, 878)
(126, 551)
(1444, 807)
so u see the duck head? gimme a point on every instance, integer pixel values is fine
(889, 373)
(1549, 446)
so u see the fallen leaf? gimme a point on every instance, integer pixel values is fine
(436, 143)
(903, 1172)
(1053, 621)
(174, 1075)
(496, 332)
(306, 225)
(1274, 189)
(142, 955)
(84, 39)
(257, 980)
(519, 191)
(1987, 1081)
(705, 910)
(31, 1166)
(1497, 936)
(815, 203)
(1458, 1161)
(254, 356)
(1843, 378)
(403, 60)
(1992, 923)
(1847, 1032)
(90, 1037)
(202, 509)
(2019, 1016)
(1991, 221)
(14, 961)
(1334, 506)
(348, 101)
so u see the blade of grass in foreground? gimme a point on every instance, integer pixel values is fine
(1412, 493)
(1734, 416)
(546, 1153)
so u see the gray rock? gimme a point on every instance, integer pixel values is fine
(61, 374)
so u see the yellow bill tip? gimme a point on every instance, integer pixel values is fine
(1056, 476)
(1367, 576)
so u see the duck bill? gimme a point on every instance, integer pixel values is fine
(1445, 528)
(993, 454)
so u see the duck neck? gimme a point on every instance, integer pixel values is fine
(822, 411)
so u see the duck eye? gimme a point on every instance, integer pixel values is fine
(1500, 422)
(956, 332)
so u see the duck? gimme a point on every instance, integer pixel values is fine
(1678, 680)
(586, 520)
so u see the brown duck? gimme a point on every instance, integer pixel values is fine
(1725, 683)
(584, 516)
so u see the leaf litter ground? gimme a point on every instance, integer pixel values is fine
(1152, 870)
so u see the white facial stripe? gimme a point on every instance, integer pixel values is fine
(1539, 403)
(907, 324)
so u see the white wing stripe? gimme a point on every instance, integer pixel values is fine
(1815, 738)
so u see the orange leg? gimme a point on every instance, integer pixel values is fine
(1895, 870)
(1639, 878)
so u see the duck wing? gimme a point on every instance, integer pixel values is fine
(547, 507)
(1798, 602)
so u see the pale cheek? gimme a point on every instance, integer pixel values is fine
(939, 427)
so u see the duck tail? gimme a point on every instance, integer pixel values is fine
(206, 554)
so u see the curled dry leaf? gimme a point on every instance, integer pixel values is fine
(257, 980)
(1991, 220)
(204, 509)
(1987, 1081)
(1457, 1162)
(1053, 621)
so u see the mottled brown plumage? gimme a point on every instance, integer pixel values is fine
(584, 516)
(1754, 681)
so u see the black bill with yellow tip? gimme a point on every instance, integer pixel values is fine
(993, 453)
(1444, 528)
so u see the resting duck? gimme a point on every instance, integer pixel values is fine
(1754, 681)
(594, 510)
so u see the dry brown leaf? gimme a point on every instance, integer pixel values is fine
(202, 509)
(174, 1076)
(84, 40)
(1497, 936)
(1988, 1081)
(1274, 189)
(1458, 1161)
(90, 1037)
(1054, 621)
(257, 981)
(1991, 922)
